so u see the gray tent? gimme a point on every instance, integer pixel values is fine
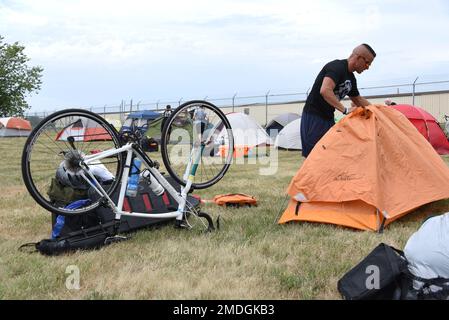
(279, 122)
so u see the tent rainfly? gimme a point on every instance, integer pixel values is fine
(14, 127)
(427, 125)
(83, 129)
(368, 170)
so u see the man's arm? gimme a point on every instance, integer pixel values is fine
(327, 91)
(360, 101)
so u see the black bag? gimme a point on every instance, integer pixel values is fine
(90, 238)
(376, 277)
(428, 289)
(78, 222)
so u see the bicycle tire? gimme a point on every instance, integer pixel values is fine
(106, 133)
(218, 124)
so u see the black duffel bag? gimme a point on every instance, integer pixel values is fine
(377, 277)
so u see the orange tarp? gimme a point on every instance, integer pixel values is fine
(369, 169)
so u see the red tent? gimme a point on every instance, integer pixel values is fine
(85, 130)
(427, 125)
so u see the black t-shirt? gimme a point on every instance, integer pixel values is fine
(346, 84)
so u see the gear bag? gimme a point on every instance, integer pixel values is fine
(376, 277)
(384, 275)
(235, 199)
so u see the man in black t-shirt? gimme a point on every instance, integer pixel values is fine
(335, 81)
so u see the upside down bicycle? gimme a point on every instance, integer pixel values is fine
(87, 148)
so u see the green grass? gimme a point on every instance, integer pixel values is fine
(250, 257)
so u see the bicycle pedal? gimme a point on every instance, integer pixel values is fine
(114, 239)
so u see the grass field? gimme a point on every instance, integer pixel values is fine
(250, 257)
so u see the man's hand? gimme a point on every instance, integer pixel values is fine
(348, 110)
(351, 109)
(359, 101)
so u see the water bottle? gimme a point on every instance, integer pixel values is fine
(155, 186)
(60, 220)
(133, 179)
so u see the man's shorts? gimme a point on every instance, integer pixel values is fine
(313, 128)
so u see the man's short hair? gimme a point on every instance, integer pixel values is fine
(369, 49)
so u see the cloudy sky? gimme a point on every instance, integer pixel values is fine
(98, 52)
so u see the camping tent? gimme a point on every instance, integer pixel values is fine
(278, 123)
(290, 137)
(83, 129)
(367, 172)
(14, 127)
(427, 125)
(247, 134)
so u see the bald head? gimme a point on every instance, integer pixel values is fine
(364, 50)
(361, 58)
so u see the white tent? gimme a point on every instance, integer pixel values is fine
(247, 132)
(290, 136)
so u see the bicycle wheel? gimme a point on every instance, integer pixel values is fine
(197, 144)
(51, 156)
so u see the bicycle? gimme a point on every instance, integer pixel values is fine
(83, 144)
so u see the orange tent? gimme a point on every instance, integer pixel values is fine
(14, 127)
(368, 170)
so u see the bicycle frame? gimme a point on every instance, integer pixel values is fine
(130, 149)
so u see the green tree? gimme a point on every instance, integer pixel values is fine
(17, 80)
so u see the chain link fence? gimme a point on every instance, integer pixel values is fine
(432, 96)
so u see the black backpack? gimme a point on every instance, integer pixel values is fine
(384, 275)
